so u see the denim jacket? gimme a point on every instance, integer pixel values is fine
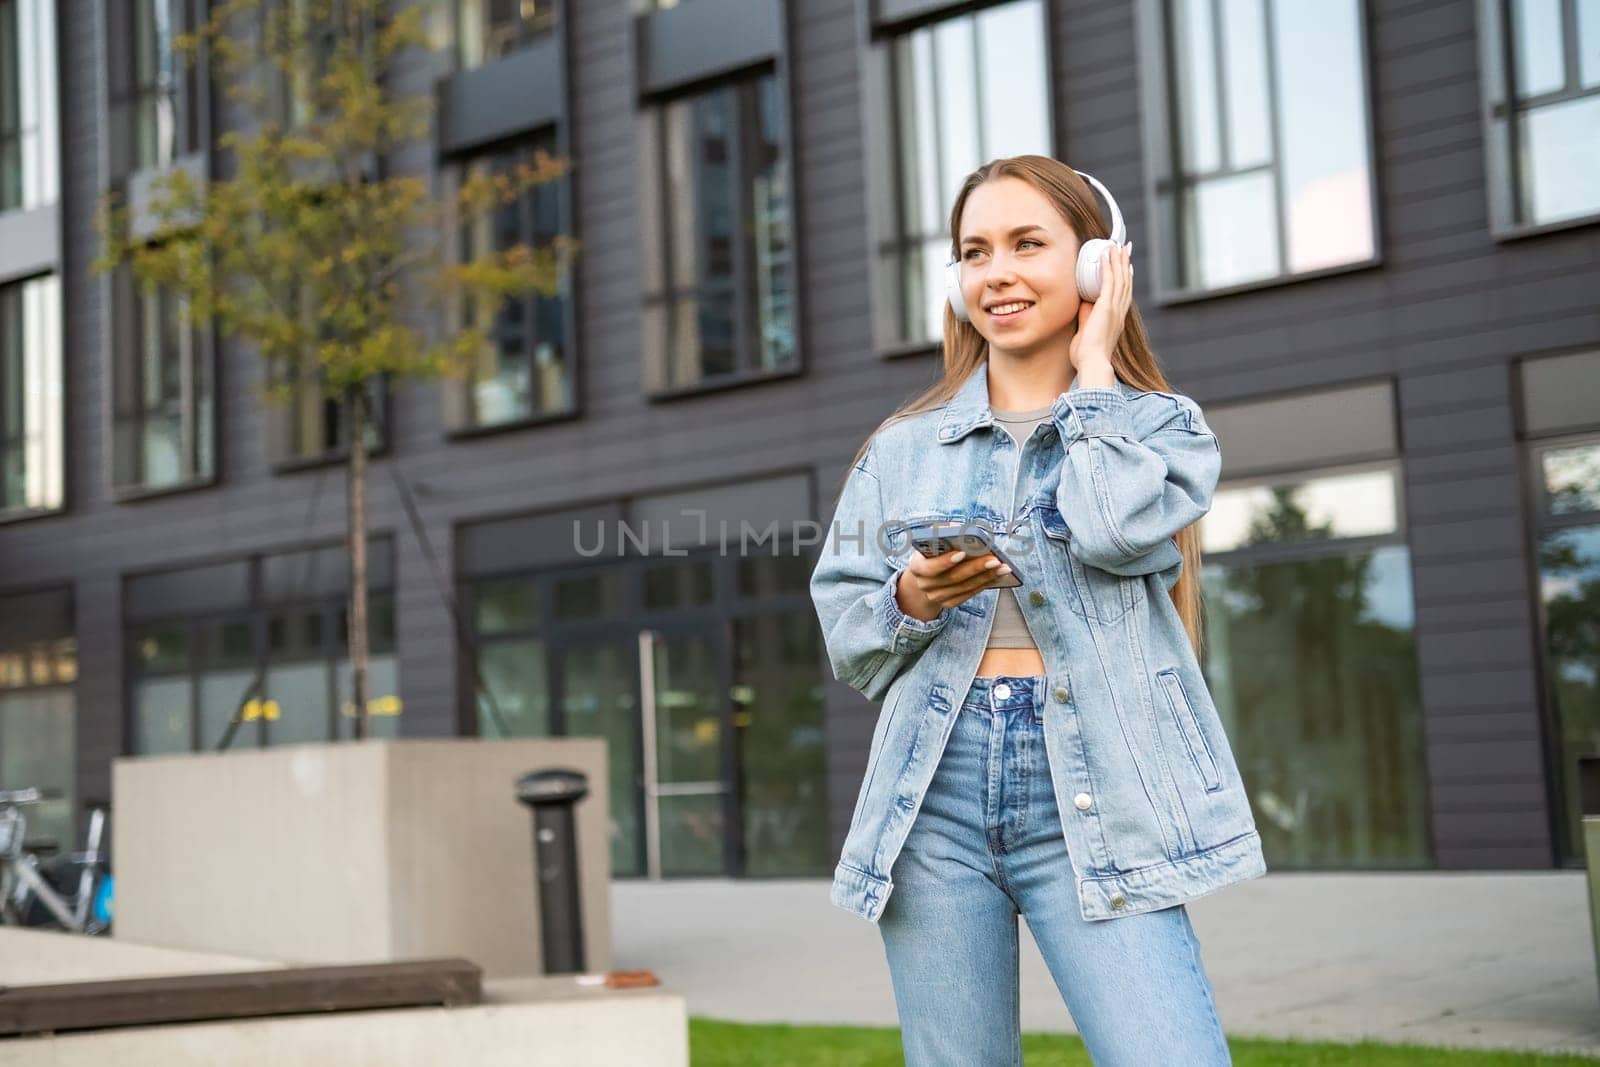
(1151, 802)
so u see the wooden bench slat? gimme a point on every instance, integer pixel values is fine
(36, 1009)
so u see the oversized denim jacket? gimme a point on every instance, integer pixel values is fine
(1151, 802)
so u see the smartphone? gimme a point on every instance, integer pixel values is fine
(937, 538)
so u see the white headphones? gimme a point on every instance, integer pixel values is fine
(1088, 258)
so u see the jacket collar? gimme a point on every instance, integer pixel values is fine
(969, 408)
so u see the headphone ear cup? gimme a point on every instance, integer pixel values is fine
(952, 286)
(1089, 267)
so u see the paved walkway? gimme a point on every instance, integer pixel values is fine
(1491, 960)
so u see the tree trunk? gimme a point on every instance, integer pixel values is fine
(358, 559)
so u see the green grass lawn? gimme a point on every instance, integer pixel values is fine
(713, 1043)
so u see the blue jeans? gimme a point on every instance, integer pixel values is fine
(986, 845)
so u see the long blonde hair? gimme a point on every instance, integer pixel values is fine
(1133, 361)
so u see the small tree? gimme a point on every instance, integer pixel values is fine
(306, 249)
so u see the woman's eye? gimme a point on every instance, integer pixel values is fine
(1025, 241)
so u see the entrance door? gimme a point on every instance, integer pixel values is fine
(659, 698)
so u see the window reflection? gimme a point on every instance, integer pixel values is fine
(524, 370)
(1569, 593)
(717, 241)
(962, 91)
(31, 412)
(163, 391)
(489, 29)
(1269, 98)
(1312, 663)
(1352, 503)
(1545, 110)
(29, 175)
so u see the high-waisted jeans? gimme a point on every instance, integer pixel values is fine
(987, 844)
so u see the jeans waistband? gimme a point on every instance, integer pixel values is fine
(1002, 691)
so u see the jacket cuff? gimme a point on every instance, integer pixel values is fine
(907, 634)
(1092, 412)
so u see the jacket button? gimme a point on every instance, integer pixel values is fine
(1061, 694)
(1036, 598)
(1118, 902)
(1082, 801)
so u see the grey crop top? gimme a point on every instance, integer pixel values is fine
(1010, 628)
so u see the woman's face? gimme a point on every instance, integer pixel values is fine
(1036, 267)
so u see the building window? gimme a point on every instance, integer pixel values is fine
(255, 652)
(1311, 658)
(525, 370)
(1541, 64)
(1567, 480)
(38, 666)
(31, 412)
(717, 260)
(954, 95)
(29, 176)
(1258, 130)
(312, 426)
(489, 29)
(721, 650)
(163, 392)
(155, 93)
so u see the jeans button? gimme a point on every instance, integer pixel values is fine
(1002, 691)
(1036, 598)
(1061, 694)
(1082, 801)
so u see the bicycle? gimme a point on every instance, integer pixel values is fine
(38, 894)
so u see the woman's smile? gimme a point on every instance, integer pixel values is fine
(1013, 316)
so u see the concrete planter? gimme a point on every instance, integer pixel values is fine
(352, 852)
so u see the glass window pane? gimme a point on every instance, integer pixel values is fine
(598, 684)
(1560, 157)
(1325, 507)
(31, 414)
(162, 712)
(778, 716)
(296, 708)
(786, 573)
(595, 595)
(958, 92)
(1322, 124)
(677, 585)
(504, 605)
(1198, 113)
(1537, 43)
(1014, 81)
(1569, 585)
(1571, 479)
(1312, 665)
(37, 749)
(384, 706)
(1245, 57)
(515, 672)
(1589, 43)
(1230, 231)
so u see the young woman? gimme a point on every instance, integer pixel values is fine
(1048, 750)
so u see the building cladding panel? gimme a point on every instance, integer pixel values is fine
(1443, 318)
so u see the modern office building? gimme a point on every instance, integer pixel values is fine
(1370, 248)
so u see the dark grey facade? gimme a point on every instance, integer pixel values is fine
(1447, 332)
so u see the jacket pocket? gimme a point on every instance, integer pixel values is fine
(1194, 739)
(1100, 594)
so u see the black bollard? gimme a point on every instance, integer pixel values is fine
(551, 794)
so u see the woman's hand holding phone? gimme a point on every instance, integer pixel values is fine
(928, 585)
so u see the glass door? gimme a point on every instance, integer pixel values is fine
(684, 717)
(596, 686)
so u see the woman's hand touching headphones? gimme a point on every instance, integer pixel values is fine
(1100, 322)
